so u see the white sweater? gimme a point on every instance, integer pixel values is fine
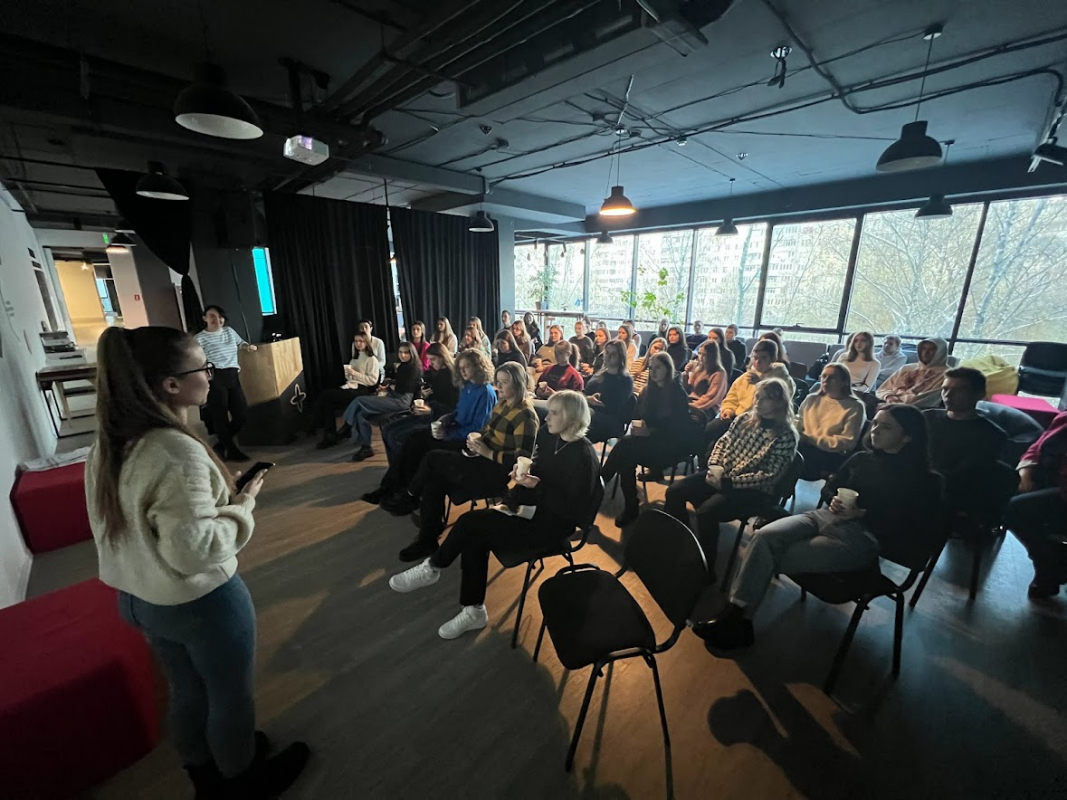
(182, 533)
(831, 425)
(864, 373)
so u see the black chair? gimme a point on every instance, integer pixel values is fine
(785, 489)
(593, 620)
(913, 550)
(1043, 368)
(529, 554)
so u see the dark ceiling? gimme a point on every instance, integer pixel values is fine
(517, 98)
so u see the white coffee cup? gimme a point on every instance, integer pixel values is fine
(473, 438)
(522, 466)
(716, 473)
(437, 427)
(848, 497)
(420, 404)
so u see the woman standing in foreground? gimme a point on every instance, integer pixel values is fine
(168, 526)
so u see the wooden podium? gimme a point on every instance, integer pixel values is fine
(273, 381)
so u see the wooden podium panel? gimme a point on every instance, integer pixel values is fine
(273, 381)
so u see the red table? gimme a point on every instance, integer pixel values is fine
(1041, 410)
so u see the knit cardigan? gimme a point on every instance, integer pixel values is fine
(754, 456)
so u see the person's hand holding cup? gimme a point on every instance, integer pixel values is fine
(844, 503)
(715, 476)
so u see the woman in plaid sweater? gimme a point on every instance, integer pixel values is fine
(753, 455)
(482, 469)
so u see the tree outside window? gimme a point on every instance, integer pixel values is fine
(727, 275)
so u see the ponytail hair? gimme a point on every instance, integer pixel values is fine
(131, 365)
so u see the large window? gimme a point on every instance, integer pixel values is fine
(529, 269)
(610, 274)
(910, 272)
(727, 275)
(806, 273)
(564, 276)
(662, 276)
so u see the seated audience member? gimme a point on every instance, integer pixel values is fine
(600, 339)
(471, 341)
(737, 346)
(726, 355)
(559, 485)
(361, 376)
(417, 338)
(483, 338)
(639, 366)
(532, 329)
(477, 397)
(745, 466)
(612, 406)
(890, 358)
(965, 446)
(742, 391)
(1038, 514)
(584, 344)
(919, 384)
(377, 346)
(522, 338)
(830, 423)
(664, 326)
(483, 468)
(896, 492)
(445, 335)
(601, 325)
(547, 351)
(858, 358)
(562, 375)
(706, 381)
(773, 336)
(505, 320)
(664, 410)
(635, 337)
(440, 393)
(506, 349)
(397, 397)
(627, 336)
(677, 348)
(697, 337)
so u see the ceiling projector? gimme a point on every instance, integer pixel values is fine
(306, 150)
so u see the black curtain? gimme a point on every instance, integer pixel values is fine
(331, 268)
(444, 270)
(163, 226)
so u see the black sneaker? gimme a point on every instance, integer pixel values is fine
(208, 782)
(726, 633)
(418, 550)
(374, 497)
(233, 453)
(269, 777)
(400, 504)
(363, 453)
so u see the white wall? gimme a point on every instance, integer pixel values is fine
(25, 431)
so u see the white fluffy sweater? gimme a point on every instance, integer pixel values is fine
(831, 425)
(182, 532)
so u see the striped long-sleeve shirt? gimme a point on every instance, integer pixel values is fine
(511, 431)
(753, 456)
(220, 347)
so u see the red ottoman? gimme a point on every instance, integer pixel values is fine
(78, 695)
(50, 507)
(1041, 410)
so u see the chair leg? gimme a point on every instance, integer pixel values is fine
(522, 604)
(733, 555)
(898, 632)
(581, 717)
(976, 567)
(540, 638)
(651, 661)
(674, 471)
(842, 651)
(926, 576)
(603, 453)
(803, 595)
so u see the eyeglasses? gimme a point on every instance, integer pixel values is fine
(209, 368)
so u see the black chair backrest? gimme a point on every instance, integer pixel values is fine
(595, 501)
(669, 561)
(1045, 355)
(785, 487)
(916, 541)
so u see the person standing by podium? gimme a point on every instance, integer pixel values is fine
(226, 406)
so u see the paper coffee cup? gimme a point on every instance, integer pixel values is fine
(420, 404)
(522, 466)
(848, 497)
(716, 472)
(436, 427)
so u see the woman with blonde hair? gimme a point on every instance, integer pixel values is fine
(523, 338)
(745, 466)
(168, 524)
(547, 351)
(483, 338)
(858, 358)
(361, 376)
(558, 487)
(830, 422)
(626, 336)
(445, 335)
(397, 397)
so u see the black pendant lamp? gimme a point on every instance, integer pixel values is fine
(937, 207)
(206, 106)
(728, 228)
(158, 185)
(604, 238)
(914, 149)
(616, 204)
(480, 223)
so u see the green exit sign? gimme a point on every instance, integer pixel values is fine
(107, 239)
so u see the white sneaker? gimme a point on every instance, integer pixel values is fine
(471, 618)
(415, 578)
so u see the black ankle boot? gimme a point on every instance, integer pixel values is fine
(268, 777)
(207, 780)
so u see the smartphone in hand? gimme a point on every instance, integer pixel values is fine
(254, 470)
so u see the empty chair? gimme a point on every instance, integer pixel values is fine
(1043, 369)
(594, 621)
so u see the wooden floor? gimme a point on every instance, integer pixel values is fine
(392, 711)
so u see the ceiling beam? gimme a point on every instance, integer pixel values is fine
(506, 202)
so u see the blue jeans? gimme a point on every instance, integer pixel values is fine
(207, 650)
(359, 409)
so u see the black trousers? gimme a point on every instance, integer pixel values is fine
(329, 402)
(403, 469)
(632, 451)
(819, 463)
(226, 405)
(474, 536)
(712, 507)
(714, 431)
(604, 426)
(1039, 521)
(447, 473)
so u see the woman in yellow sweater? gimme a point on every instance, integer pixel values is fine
(168, 524)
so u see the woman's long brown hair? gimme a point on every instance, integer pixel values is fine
(131, 365)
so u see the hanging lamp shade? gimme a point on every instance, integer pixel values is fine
(604, 238)
(158, 185)
(207, 106)
(727, 228)
(913, 150)
(935, 208)
(480, 223)
(617, 204)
